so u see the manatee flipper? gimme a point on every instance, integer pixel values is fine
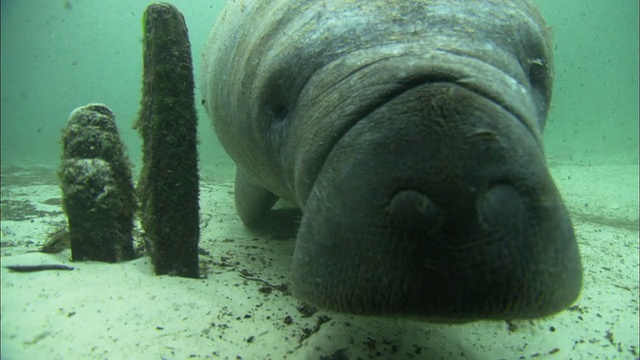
(253, 202)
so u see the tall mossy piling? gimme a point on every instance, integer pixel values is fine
(97, 188)
(168, 184)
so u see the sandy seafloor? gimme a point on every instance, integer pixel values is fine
(241, 310)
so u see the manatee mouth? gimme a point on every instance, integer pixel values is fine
(434, 202)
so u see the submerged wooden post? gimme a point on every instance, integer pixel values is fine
(98, 193)
(168, 185)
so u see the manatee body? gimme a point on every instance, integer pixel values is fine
(409, 134)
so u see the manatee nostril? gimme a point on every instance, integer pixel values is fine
(502, 207)
(412, 209)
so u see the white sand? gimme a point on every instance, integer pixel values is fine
(123, 311)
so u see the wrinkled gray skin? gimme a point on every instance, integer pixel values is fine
(409, 134)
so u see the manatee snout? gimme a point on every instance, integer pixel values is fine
(446, 212)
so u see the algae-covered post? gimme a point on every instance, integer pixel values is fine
(98, 193)
(168, 185)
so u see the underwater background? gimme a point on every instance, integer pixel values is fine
(58, 55)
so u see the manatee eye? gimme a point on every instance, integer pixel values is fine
(276, 103)
(537, 71)
(539, 75)
(278, 124)
(280, 113)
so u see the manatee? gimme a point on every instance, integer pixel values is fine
(408, 132)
